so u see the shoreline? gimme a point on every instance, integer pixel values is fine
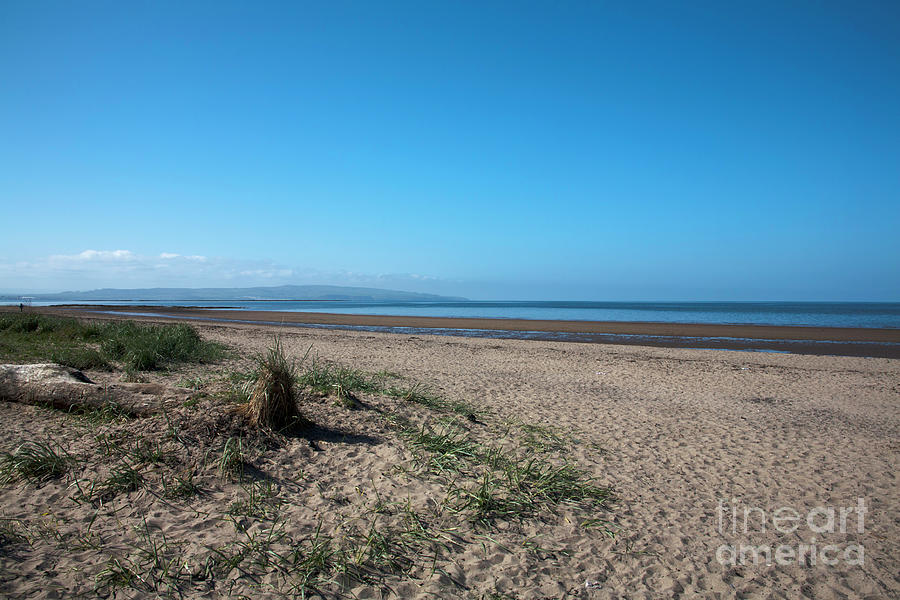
(837, 341)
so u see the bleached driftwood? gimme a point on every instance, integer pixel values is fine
(67, 388)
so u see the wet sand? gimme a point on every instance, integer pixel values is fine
(836, 341)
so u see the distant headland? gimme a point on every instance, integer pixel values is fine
(275, 293)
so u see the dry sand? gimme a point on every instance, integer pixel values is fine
(672, 431)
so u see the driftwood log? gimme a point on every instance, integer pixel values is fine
(66, 388)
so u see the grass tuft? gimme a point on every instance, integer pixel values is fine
(542, 438)
(488, 500)
(180, 486)
(447, 448)
(261, 502)
(121, 480)
(273, 402)
(231, 463)
(145, 452)
(34, 461)
(313, 559)
(325, 378)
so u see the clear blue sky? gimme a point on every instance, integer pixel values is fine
(521, 150)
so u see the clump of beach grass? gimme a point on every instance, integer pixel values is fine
(273, 401)
(122, 479)
(446, 448)
(34, 461)
(231, 463)
(325, 378)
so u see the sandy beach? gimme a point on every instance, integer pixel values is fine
(689, 441)
(450, 300)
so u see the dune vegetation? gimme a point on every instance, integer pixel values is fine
(280, 476)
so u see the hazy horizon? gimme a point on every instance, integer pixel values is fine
(684, 152)
(444, 297)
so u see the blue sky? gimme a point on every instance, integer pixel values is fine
(522, 150)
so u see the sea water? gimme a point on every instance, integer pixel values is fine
(815, 314)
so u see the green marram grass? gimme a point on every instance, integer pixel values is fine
(146, 347)
(231, 463)
(324, 377)
(26, 337)
(80, 358)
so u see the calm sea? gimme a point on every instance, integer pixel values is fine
(823, 314)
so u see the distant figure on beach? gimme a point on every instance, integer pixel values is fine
(21, 307)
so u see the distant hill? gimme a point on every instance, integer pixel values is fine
(283, 292)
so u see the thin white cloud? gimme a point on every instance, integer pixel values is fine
(267, 273)
(92, 269)
(93, 255)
